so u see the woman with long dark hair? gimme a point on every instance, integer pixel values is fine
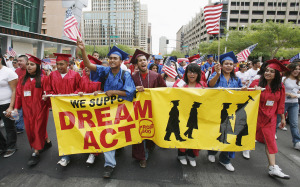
(224, 76)
(271, 103)
(192, 79)
(30, 89)
(291, 84)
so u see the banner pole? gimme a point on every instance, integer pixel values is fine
(219, 45)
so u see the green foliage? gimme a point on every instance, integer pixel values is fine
(274, 40)
(177, 53)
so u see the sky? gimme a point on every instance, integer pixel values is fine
(167, 17)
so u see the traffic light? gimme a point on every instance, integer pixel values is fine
(167, 41)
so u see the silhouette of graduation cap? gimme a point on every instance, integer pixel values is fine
(61, 56)
(137, 54)
(115, 50)
(94, 60)
(34, 59)
(227, 104)
(196, 104)
(175, 101)
(276, 64)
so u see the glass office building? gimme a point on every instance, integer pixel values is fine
(25, 15)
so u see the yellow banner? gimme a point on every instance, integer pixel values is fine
(171, 117)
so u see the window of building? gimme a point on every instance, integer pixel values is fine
(243, 20)
(256, 20)
(283, 4)
(292, 20)
(271, 4)
(234, 20)
(255, 3)
(234, 12)
(244, 11)
(294, 13)
(279, 21)
(271, 12)
(256, 12)
(233, 3)
(280, 12)
(44, 31)
(44, 20)
(270, 20)
(294, 4)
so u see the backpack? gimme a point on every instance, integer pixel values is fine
(106, 76)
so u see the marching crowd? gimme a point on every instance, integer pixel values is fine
(25, 81)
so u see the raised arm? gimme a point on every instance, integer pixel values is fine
(86, 61)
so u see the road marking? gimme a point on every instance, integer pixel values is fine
(296, 158)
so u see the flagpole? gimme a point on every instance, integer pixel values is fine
(219, 45)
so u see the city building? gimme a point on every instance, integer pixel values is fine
(112, 22)
(20, 28)
(237, 14)
(163, 45)
(54, 15)
(149, 39)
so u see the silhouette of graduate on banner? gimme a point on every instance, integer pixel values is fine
(173, 123)
(193, 120)
(241, 126)
(225, 127)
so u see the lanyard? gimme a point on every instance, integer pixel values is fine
(141, 79)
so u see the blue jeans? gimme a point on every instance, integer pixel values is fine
(110, 159)
(223, 157)
(292, 109)
(20, 122)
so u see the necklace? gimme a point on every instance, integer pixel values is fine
(141, 79)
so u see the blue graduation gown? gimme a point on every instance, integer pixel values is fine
(114, 82)
(206, 66)
(222, 82)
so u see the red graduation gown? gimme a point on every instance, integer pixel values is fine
(67, 85)
(152, 80)
(35, 111)
(267, 117)
(20, 72)
(87, 86)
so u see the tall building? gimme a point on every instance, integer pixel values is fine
(237, 14)
(54, 16)
(149, 39)
(115, 22)
(21, 15)
(163, 45)
(144, 28)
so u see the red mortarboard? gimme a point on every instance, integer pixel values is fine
(285, 61)
(61, 56)
(94, 60)
(34, 59)
(275, 64)
(126, 62)
(195, 57)
(137, 53)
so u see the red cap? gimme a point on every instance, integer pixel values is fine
(61, 56)
(126, 62)
(195, 57)
(34, 59)
(94, 60)
(285, 62)
(137, 54)
(275, 64)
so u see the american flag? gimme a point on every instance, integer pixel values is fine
(200, 60)
(169, 69)
(212, 16)
(70, 28)
(243, 55)
(11, 52)
(297, 56)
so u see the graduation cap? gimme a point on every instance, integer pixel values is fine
(285, 62)
(34, 59)
(228, 56)
(195, 57)
(172, 59)
(196, 104)
(126, 62)
(186, 56)
(227, 104)
(94, 60)
(137, 54)
(116, 51)
(275, 64)
(158, 57)
(61, 56)
(208, 56)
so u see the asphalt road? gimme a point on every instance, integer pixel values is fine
(163, 168)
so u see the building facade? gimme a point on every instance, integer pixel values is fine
(163, 45)
(237, 14)
(53, 21)
(149, 39)
(113, 22)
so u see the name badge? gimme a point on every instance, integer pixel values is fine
(270, 103)
(27, 93)
(181, 83)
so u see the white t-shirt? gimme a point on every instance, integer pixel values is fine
(9, 64)
(6, 75)
(252, 73)
(169, 84)
(243, 76)
(292, 88)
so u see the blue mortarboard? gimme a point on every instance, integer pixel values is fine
(186, 56)
(228, 56)
(208, 56)
(115, 50)
(173, 59)
(158, 57)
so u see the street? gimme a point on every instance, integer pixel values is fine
(163, 168)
